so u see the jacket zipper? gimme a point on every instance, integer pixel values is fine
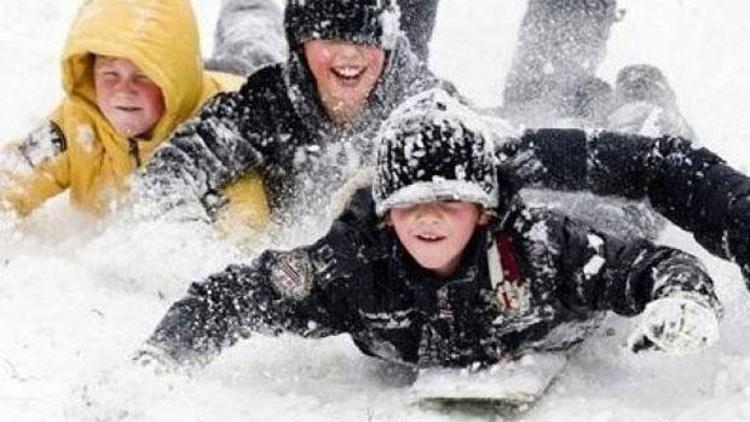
(135, 152)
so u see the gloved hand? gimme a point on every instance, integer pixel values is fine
(675, 325)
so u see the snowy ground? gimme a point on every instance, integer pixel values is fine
(77, 298)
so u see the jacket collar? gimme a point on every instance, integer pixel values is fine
(403, 75)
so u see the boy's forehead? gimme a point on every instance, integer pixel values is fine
(102, 60)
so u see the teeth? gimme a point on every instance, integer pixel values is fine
(348, 72)
(429, 237)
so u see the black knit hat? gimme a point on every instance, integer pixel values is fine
(371, 22)
(434, 148)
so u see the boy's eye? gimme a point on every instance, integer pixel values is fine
(107, 73)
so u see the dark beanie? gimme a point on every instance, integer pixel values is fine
(371, 22)
(433, 148)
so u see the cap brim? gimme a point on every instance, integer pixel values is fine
(446, 190)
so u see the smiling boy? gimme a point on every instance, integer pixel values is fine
(436, 233)
(344, 73)
(436, 267)
(307, 125)
(129, 99)
(129, 82)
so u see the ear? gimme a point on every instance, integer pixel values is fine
(484, 218)
(386, 220)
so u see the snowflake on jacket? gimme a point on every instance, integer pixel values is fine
(689, 185)
(358, 280)
(530, 280)
(277, 125)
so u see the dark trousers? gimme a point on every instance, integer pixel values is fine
(418, 22)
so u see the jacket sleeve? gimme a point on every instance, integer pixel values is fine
(202, 156)
(34, 170)
(602, 272)
(692, 187)
(307, 291)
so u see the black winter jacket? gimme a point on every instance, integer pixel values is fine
(691, 186)
(559, 277)
(276, 124)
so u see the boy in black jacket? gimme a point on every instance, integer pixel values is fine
(305, 125)
(437, 267)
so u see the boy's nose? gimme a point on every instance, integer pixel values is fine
(428, 212)
(348, 51)
(125, 85)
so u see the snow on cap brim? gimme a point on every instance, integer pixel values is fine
(437, 190)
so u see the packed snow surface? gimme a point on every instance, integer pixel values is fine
(78, 297)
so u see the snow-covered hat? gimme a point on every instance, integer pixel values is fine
(371, 22)
(434, 148)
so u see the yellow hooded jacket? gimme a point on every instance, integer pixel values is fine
(89, 157)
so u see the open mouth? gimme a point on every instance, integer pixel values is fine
(429, 237)
(348, 73)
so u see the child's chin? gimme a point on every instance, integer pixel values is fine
(432, 264)
(128, 130)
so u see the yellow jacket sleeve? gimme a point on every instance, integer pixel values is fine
(246, 213)
(34, 170)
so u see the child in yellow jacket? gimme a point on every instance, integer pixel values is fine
(132, 72)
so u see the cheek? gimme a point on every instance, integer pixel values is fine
(399, 225)
(103, 90)
(375, 61)
(464, 226)
(319, 61)
(152, 98)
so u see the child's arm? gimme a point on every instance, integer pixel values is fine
(602, 272)
(33, 170)
(235, 303)
(202, 156)
(692, 187)
(306, 291)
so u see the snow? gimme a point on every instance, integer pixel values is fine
(77, 297)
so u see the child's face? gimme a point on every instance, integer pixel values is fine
(436, 233)
(131, 101)
(345, 74)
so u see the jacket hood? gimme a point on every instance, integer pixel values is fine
(403, 76)
(159, 36)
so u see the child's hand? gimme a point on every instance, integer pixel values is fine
(675, 325)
